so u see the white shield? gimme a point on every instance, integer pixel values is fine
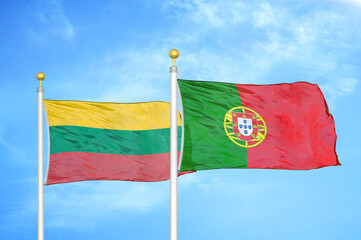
(245, 126)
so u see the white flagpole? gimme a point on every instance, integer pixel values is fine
(40, 76)
(173, 148)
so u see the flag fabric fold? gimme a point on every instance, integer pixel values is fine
(280, 126)
(108, 141)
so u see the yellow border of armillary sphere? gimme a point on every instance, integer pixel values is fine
(262, 129)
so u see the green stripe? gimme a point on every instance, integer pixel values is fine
(84, 139)
(206, 144)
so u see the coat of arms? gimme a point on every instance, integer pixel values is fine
(245, 127)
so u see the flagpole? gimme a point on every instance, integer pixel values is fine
(173, 148)
(40, 76)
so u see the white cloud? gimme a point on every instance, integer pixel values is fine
(267, 16)
(348, 85)
(85, 204)
(135, 75)
(356, 3)
(306, 41)
(338, 87)
(52, 22)
(13, 151)
(290, 38)
(313, 44)
(211, 13)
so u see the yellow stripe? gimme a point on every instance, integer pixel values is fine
(120, 116)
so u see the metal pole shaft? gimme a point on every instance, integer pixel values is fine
(40, 91)
(173, 155)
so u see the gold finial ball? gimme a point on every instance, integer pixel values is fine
(40, 76)
(173, 53)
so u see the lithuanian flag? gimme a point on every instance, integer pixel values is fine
(108, 141)
(280, 126)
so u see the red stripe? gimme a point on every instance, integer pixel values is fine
(301, 132)
(81, 166)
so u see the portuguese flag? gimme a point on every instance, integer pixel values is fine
(108, 141)
(281, 126)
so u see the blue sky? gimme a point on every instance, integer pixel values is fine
(118, 51)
